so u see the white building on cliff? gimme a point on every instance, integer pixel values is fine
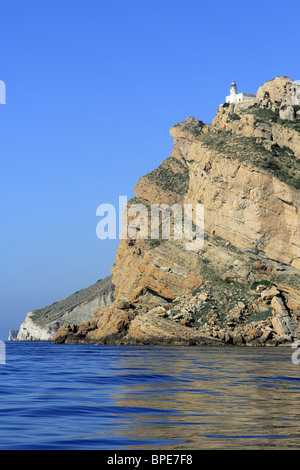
(296, 92)
(235, 97)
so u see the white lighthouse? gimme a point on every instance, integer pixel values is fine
(235, 97)
(233, 92)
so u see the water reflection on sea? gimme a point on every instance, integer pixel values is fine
(177, 398)
(214, 398)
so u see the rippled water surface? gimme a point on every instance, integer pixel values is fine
(114, 397)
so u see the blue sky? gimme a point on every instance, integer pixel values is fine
(93, 88)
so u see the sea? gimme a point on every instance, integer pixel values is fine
(101, 397)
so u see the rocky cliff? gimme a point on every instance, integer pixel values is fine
(12, 335)
(42, 324)
(243, 286)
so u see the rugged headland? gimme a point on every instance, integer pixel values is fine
(243, 286)
(42, 324)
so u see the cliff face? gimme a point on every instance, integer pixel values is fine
(12, 335)
(42, 324)
(243, 285)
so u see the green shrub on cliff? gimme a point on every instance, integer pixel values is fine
(172, 175)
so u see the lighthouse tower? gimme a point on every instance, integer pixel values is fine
(233, 90)
(234, 97)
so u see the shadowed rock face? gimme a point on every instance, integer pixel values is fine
(245, 170)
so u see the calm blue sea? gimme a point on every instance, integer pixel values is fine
(114, 397)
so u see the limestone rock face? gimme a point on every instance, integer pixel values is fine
(113, 326)
(244, 169)
(13, 334)
(282, 322)
(272, 117)
(31, 331)
(245, 205)
(146, 328)
(268, 295)
(276, 91)
(160, 273)
(42, 324)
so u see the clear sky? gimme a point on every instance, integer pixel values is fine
(93, 88)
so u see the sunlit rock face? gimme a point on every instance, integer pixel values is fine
(244, 169)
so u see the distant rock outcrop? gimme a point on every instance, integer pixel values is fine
(243, 287)
(42, 324)
(13, 335)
